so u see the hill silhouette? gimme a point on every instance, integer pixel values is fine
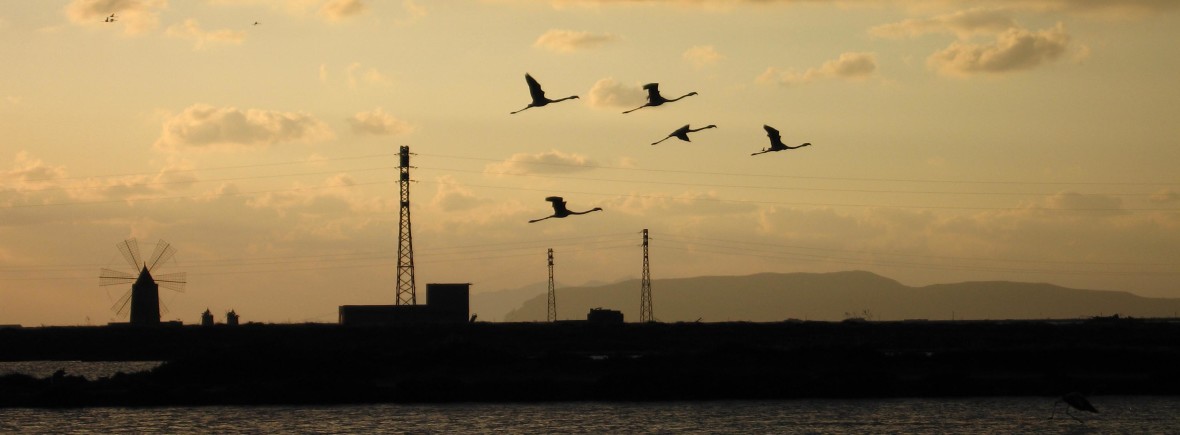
(772, 297)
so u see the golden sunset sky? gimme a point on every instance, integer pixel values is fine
(1031, 140)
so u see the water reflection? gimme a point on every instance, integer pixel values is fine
(921, 416)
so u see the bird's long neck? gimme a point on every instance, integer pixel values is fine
(563, 99)
(587, 211)
(682, 96)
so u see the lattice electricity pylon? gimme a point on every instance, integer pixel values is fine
(406, 294)
(552, 297)
(645, 314)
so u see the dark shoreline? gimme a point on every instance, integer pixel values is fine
(258, 364)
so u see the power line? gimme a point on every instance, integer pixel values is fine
(802, 177)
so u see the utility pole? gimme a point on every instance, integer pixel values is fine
(552, 296)
(645, 314)
(405, 246)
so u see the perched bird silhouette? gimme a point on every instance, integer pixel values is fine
(559, 210)
(776, 142)
(682, 133)
(538, 95)
(1076, 401)
(655, 99)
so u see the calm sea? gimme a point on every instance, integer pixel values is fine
(1012, 415)
(1002, 415)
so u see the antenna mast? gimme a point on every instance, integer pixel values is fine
(645, 287)
(552, 297)
(405, 245)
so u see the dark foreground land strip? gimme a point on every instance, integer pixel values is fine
(328, 364)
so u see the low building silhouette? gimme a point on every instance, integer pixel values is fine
(231, 318)
(445, 303)
(604, 315)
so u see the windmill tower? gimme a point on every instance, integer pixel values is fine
(552, 296)
(645, 287)
(144, 296)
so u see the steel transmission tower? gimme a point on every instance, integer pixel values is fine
(645, 287)
(552, 296)
(405, 246)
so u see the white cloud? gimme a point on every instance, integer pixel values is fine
(336, 10)
(568, 41)
(962, 23)
(202, 126)
(702, 55)
(377, 122)
(849, 66)
(607, 93)
(202, 39)
(1013, 50)
(135, 16)
(549, 162)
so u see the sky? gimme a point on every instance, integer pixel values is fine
(988, 140)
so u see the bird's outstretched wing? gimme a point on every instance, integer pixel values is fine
(772, 133)
(534, 88)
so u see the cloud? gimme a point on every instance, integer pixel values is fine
(135, 16)
(1013, 50)
(1165, 196)
(607, 93)
(549, 162)
(849, 66)
(452, 196)
(1083, 201)
(201, 38)
(569, 41)
(414, 12)
(202, 126)
(962, 23)
(336, 10)
(702, 55)
(378, 123)
(29, 172)
(358, 74)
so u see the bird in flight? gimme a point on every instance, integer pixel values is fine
(559, 210)
(538, 95)
(776, 142)
(655, 99)
(682, 133)
(110, 19)
(256, 23)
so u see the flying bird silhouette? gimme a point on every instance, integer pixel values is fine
(1076, 401)
(655, 99)
(110, 19)
(776, 142)
(256, 23)
(538, 95)
(559, 210)
(682, 133)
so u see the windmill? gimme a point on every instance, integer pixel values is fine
(144, 296)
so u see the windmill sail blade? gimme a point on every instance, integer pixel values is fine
(163, 253)
(163, 308)
(120, 307)
(115, 277)
(173, 281)
(130, 250)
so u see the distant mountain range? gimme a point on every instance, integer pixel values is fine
(771, 297)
